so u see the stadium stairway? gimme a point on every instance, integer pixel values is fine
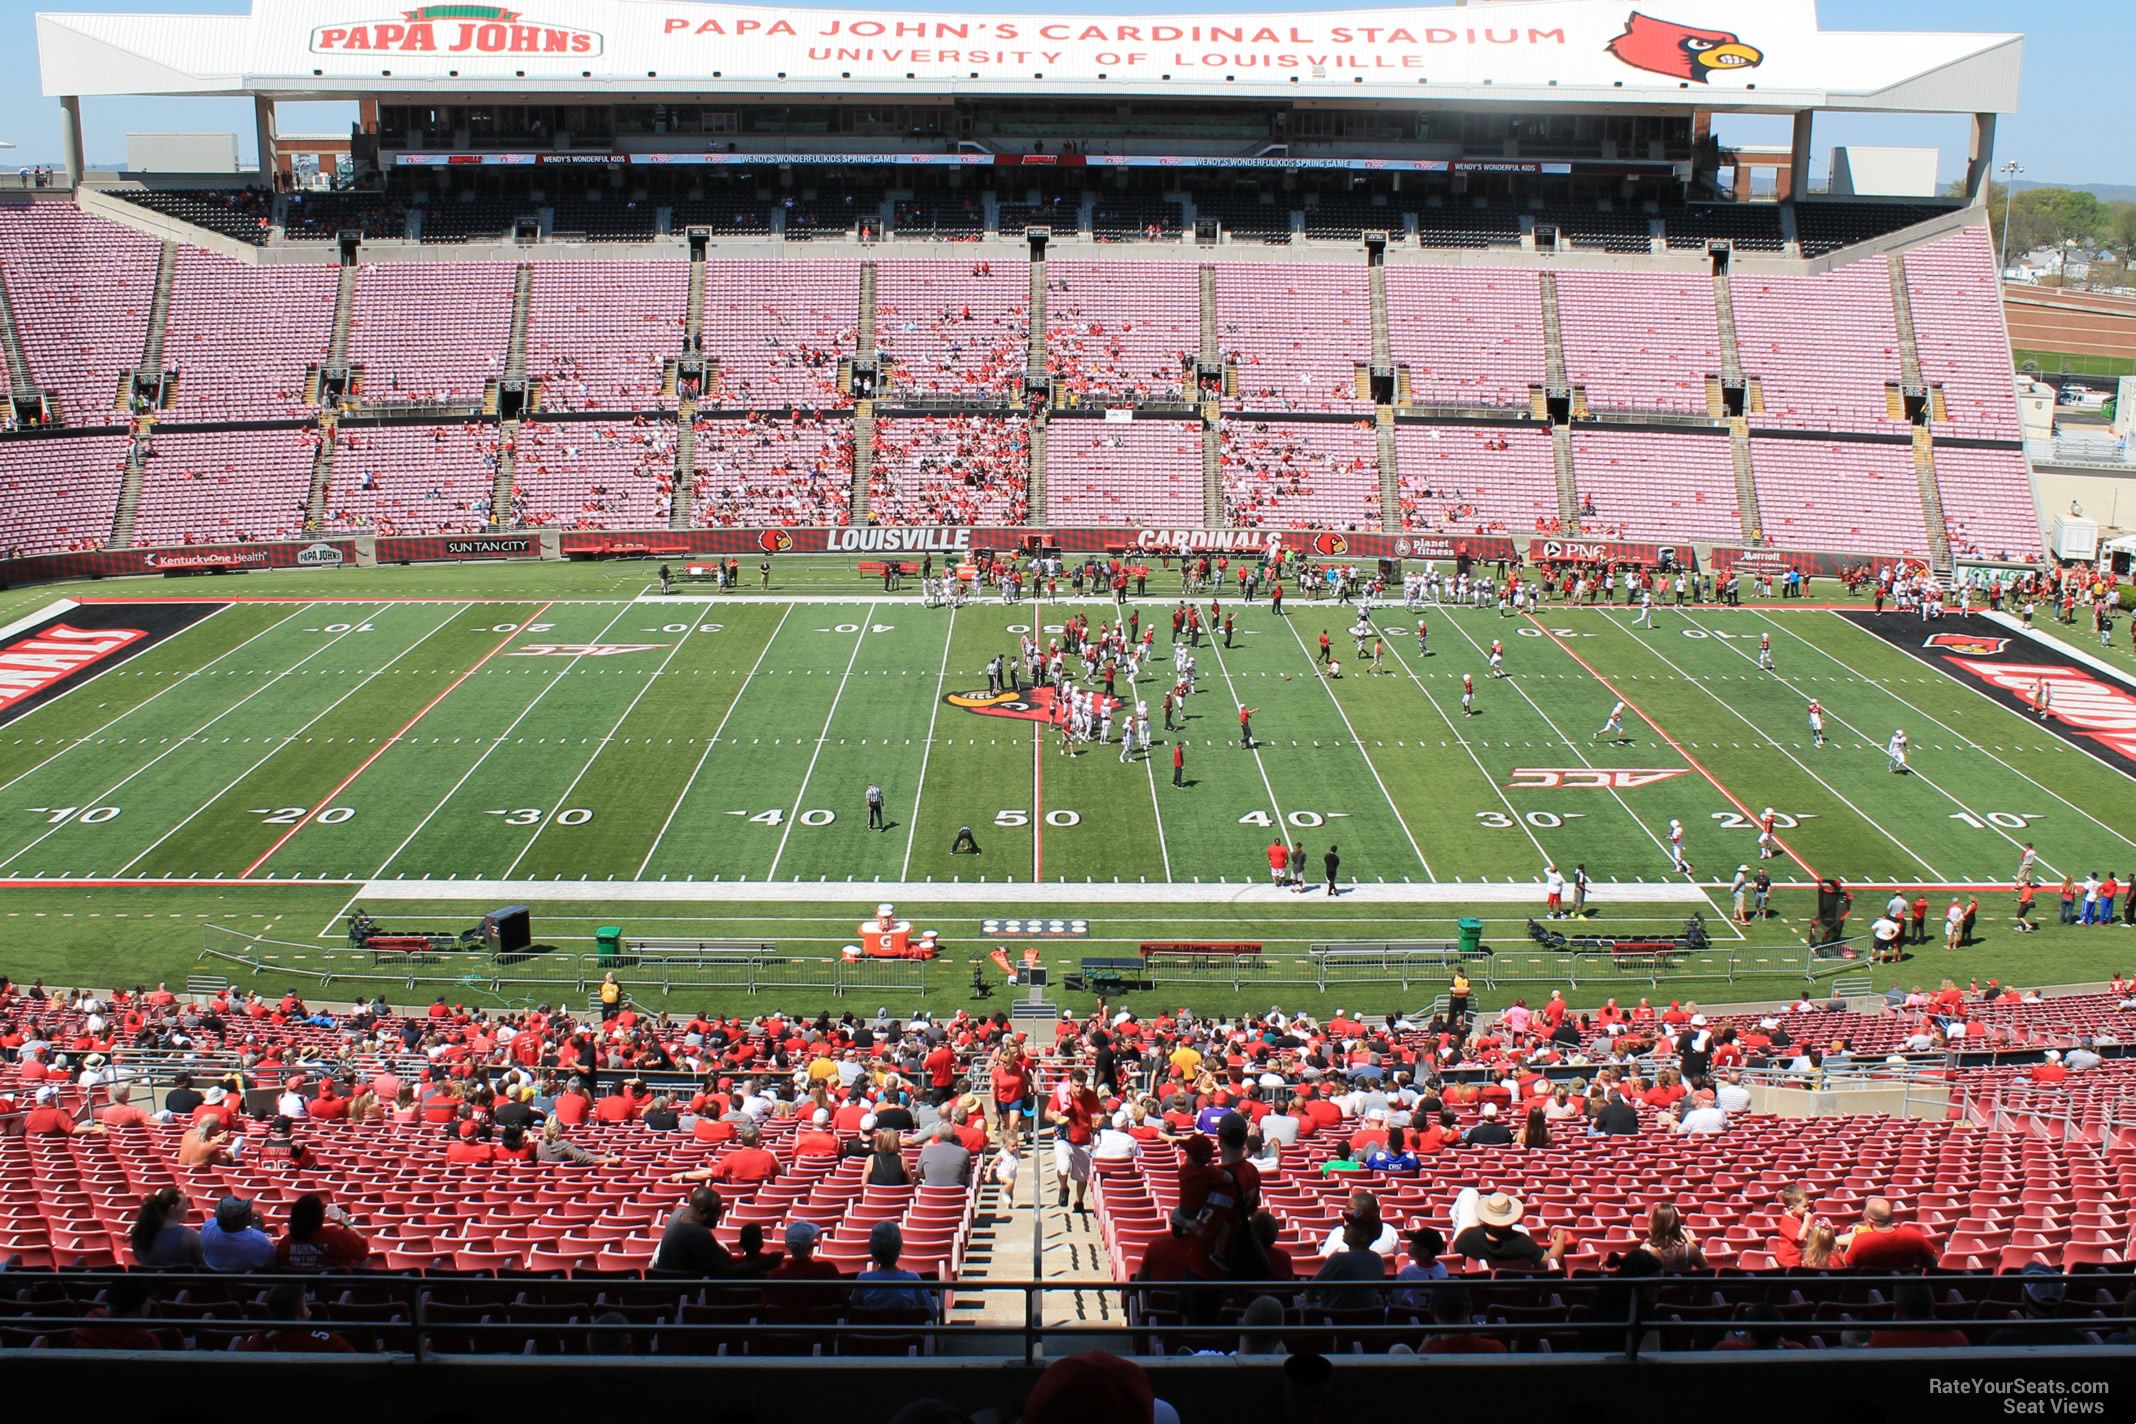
(1911, 383)
(129, 505)
(1039, 426)
(322, 474)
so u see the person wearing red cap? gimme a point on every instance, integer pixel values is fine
(1094, 1387)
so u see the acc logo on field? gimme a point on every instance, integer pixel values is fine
(775, 541)
(1967, 644)
(1330, 545)
(583, 650)
(1588, 778)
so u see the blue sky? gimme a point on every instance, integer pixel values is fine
(2079, 105)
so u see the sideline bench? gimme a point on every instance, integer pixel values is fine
(874, 568)
(1203, 955)
(697, 953)
(1392, 951)
(1109, 976)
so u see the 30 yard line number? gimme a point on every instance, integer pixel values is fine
(532, 816)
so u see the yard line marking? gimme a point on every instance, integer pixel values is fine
(712, 742)
(388, 743)
(283, 743)
(651, 681)
(933, 711)
(176, 682)
(1867, 819)
(1282, 826)
(495, 743)
(1911, 709)
(801, 796)
(1469, 747)
(1327, 688)
(187, 739)
(2121, 836)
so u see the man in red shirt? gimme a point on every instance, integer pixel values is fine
(1881, 1246)
(2050, 1071)
(941, 1066)
(745, 1164)
(49, 1119)
(1279, 861)
(1075, 1129)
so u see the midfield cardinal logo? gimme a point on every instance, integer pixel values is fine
(775, 541)
(1665, 47)
(1330, 546)
(1033, 704)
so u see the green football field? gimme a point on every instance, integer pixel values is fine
(697, 764)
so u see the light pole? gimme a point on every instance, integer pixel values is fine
(2010, 172)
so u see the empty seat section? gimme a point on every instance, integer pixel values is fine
(1123, 329)
(773, 470)
(779, 330)
(598, 333)
(1988, 508)
(1956, 296)
(962, 469)
(1296, 334)
(59, 494)
(1470, 337)
(242, 339)
(1849, 497)
(412, 479)
(1823, 348)
(1643, 485)
(594, 474)
(1464, 480)
(1145, 472)
(431, 332)
(225, 486)
(1640, 341)
(81, 290)
(954, 328)
(1298, 474)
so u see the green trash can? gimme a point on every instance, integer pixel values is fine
(1471, 937)
(608, 944)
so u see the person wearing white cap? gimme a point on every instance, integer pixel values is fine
(1490, 1132)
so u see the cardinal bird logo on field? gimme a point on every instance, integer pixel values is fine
(1033, 704)
(776, 541)
(1330, 546)
(1967, 644)
(1679, 51)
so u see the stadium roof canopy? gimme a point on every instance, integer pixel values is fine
(1713, 55)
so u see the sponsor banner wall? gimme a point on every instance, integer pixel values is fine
(2091, 709)
(60, 651)
(868, 542)
(1608, 551)
(441, 547)
(1812, 564)
(196, 558)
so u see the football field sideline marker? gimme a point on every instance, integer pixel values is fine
(283, 744)
(188, 739)
(390, 742)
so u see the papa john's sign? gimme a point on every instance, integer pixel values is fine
(456, 29)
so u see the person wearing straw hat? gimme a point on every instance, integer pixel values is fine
(1495, 1240)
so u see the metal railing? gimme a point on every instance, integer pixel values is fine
(1621, 1314)
(557, 971)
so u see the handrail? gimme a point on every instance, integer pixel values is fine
(1609, 1315)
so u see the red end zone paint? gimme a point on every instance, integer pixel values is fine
(383, 747)
(1675, 746)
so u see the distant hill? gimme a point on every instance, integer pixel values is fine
(2104, 192)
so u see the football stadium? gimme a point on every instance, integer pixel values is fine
(1101, 717)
